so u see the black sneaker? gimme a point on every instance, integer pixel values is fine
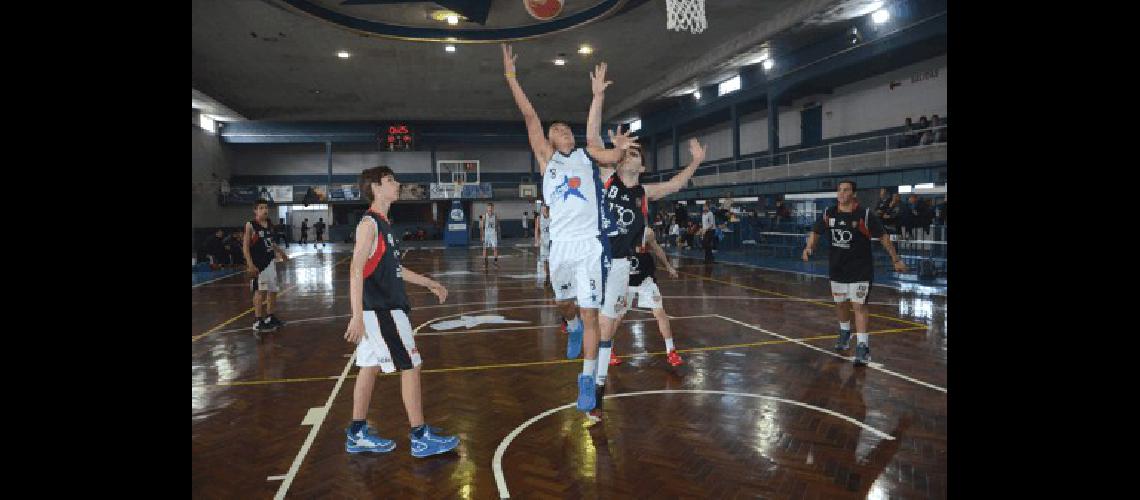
(262, 326)
(274, 322)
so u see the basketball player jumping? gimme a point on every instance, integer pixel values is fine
(628, 200)
(379, 326)
(851, 268)
(261, 265)
(579, 257)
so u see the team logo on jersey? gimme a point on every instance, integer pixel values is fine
(841, 238)
(570, 186)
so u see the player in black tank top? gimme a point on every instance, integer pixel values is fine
(379, 310)
(260, 251)
(383, 275)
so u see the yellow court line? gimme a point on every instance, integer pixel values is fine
(558, 361)
(235, 318)
(817, 302)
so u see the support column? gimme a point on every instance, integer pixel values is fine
(735, 132)
(773, 124)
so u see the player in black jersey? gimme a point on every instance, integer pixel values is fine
(260, 253)
(643, 290)
(628, 201)
(379, 326)
(851, 269)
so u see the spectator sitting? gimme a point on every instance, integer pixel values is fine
(884, 205)
(234, 248)
(939, 133)
(909, 137)
(942, 211)
(675, 233)
(890, 215)
(926, 136)
(215, 250)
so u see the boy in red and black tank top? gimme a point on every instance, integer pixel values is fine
(379, 326)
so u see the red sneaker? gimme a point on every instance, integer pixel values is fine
(674, 359)
(614, 360)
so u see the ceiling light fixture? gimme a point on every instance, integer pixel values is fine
(585, 50)
(768, 64)
(449, 48)
(453, 19)
(343, 54)
(560, 60)
(881, 16)
(697, 95)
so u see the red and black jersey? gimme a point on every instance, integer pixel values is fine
(850, 234)
(383, 276)
(261, 245)
(630, 210)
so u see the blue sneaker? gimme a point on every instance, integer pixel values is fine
(574, 340)
(586, 396)
(432, 443)
(366, 441)
(862, 354)
(844, 340)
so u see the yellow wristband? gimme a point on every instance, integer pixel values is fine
(509, 75)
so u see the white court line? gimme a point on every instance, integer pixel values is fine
(312, 433)
(534, 327)
(876, 366)
(895, 287)
(497, 461)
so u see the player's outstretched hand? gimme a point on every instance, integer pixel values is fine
(807, 254)
(439, 291)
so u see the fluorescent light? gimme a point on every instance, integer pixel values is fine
(697, 94)
(904, 189)
(585, 50)
(727, 86)
(449, 48)
(768, 64)
(635, 125)
(343, 54)
(453, 19)
(559, 62)
(207, 123)
(881, 16)
(928, 185)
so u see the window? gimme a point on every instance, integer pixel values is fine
(727, 86)
(207, 123)
(904, 189)
(635, 125)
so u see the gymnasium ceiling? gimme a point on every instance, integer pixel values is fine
(277, 60)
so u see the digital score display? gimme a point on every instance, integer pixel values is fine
(398, 137)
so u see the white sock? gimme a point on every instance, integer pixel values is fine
(603, 361)
(845, 326)
(589, 366)
(863, 337)
(669, 345)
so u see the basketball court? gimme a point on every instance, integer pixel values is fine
(763, 406)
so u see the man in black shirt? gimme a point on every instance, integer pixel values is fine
(304, 231)
(851, 269)
(261, 256)
(319, 227)
(379, 326)
(214, 249)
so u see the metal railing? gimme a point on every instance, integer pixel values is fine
(882, 151)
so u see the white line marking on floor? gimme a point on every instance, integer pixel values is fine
(875, 366)
(312, 434)
(497, 461)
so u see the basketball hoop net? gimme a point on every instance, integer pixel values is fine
(686, 14)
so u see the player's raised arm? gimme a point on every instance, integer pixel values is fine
(621, 141)
(660, 190)
(538, 143)
(598, 85)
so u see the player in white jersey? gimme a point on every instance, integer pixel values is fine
(491, 232)
(571, 187)
(542, 240)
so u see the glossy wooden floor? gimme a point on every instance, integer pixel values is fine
(789, 419)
